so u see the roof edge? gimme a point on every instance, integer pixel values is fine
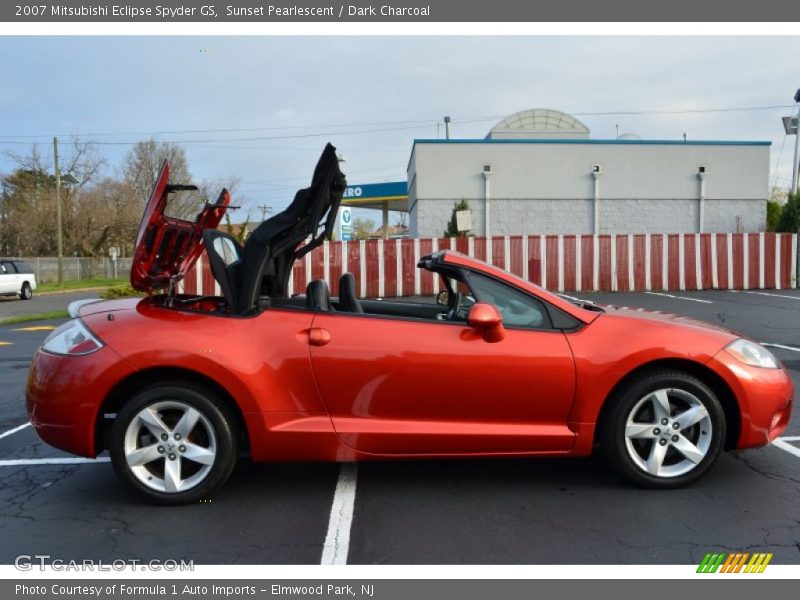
(596, 142)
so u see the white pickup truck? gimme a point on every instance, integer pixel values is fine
(17, 279)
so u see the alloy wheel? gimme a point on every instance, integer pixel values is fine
(668, 432)
(170, 446)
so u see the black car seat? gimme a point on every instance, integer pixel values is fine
(318, 296)
(225, 258)
(348, 302)
(270, 251)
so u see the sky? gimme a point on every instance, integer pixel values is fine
(262, 108)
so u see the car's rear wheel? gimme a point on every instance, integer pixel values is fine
(664, 429)
(173, 444)
(26, 293)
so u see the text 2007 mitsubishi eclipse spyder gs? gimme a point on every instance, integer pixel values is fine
(176, 387)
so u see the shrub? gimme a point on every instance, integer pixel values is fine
(452, 227)
(789, 221)
(120, 291)
(774, 210)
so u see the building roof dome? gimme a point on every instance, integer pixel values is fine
(539, 123)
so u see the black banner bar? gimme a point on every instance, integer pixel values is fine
(406, 11)
(731, 588)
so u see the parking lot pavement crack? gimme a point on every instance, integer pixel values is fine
(694, 549)
(20, 486)
(775, 476)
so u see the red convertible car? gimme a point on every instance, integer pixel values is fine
(177, 387)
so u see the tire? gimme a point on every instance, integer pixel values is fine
(26, 293)
(161, 455)
(649, 445)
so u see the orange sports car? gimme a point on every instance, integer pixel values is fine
(177, 387)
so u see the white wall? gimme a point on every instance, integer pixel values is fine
(630, 170)
(548, 187)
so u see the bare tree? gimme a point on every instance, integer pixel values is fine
(108, 215)
(142, 165)
(83, 162)
(93, 210)
(27, 206)
(211, 188)
(98, 212)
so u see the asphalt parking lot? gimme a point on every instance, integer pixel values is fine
(477, 511)
(11, 306)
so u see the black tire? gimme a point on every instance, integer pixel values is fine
(26, 293)
(214, 432)
(633, 453)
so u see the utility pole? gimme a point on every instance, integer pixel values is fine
(59, 241)
(265, 210)
(447, 128)
(795, 166)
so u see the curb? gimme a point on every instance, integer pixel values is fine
(73, 291)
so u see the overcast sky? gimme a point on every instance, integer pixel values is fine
(371, 97)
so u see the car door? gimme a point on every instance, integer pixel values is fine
(8, 278)
(398, 385)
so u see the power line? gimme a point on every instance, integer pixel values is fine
(646, 112)
(778, 162)
(430, 122)
(251, 139)
(686, 111)
(420, 123)
(284, 179)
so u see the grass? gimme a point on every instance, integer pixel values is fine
(76, 284)
(53, 314)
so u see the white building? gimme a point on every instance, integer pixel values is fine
(538, 171)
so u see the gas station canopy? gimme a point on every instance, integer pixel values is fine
(391, 196)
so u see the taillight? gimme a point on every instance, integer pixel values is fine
(72, 339)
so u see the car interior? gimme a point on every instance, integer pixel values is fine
(249, 275)
(255, 276)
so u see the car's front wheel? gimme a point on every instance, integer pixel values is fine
(173, 444)
(26, 293)
(664, 429)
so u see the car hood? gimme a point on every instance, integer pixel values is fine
(653, 316)
(167, 247)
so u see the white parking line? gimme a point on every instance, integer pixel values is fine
(679, 297)
(792, 348)
(337, 541)
(24, 462)
(783, 445)
(774, 295)
(793, 438)
(13, 431)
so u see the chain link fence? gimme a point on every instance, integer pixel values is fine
(77, 267)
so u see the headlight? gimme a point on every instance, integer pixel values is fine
(752, 354)
(72, 339)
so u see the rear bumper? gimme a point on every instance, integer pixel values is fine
(764, 396)
(64, 395)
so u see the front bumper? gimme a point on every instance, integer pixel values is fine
(64, 395)
(764, 396)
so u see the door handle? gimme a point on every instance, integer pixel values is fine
(317, 336)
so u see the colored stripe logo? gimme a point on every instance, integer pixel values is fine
(738, 562)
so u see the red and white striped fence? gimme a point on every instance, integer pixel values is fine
(556, 262)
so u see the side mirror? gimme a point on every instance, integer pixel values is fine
(443, 298)
(486, 319)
